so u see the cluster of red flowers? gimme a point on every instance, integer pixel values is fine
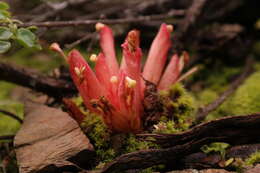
(117, 92)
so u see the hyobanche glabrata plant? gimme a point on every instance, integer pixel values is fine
(116, 92)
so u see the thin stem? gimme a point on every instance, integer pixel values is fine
(140, 19)
(12, 115)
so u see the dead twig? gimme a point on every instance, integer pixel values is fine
(12, 115)
(7, 137)
(75, 43)
(247, 71)
(30, 78)
(234, 130)
(106, 21)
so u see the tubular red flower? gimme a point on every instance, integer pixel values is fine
(108, 47)
(84, 78)
(117, 94)
(157, 55)
(171, 73)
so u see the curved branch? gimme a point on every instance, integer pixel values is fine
(30, 78)
(234, 130)
(7, 137)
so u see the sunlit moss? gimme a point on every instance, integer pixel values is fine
(9, 126)
(246, 100)
(133, 144)
(217, 147)
(179, 108)
(253, 158)
(99, 136)
(180, 102)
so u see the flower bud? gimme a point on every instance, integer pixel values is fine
(99, 26)
(169, 28)
(93, 58)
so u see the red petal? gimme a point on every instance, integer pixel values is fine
(157, 55)
(88, 86)
(171, 73)
(108, 48)
(102, 71)
(132, 55)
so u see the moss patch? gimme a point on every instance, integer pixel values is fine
(9, 126)
(179, 109)
(246, 100)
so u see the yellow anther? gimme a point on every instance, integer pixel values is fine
(169, 28)
(113, 79)
(130, 83)
(99, 26)
(79, 71)
(93, 58)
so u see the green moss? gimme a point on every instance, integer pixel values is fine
(253, 158)
(99, 136)
(43, 61)
(8, 125)
(205, 97)
(133, 144)
(179, 108)
(246, 100)
(5, 90)
(180, 102)
(217, 147)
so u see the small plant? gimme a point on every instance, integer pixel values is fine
(253, 158)
(217, 147)
(117, 93)
(10, 31)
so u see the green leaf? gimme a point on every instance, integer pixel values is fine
(4, 6)
(2, 16)
(215, 147)
(26, 38)
(5, 33)
(32, 28)
(6, 13)
(4, 46)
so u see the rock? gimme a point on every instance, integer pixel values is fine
(202, 171)
(255, 169)
(215, 171)
(51, 141)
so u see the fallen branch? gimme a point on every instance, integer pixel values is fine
(202, 160)
(7, 137)
(106, 21)
(12, 115)
(247, 71)
(233, 130)
(29, 78)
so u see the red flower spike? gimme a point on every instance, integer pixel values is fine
(157, 55)
(102, 71)
(108, 47)
(117, 95)
(171, 73)
(84, 78)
